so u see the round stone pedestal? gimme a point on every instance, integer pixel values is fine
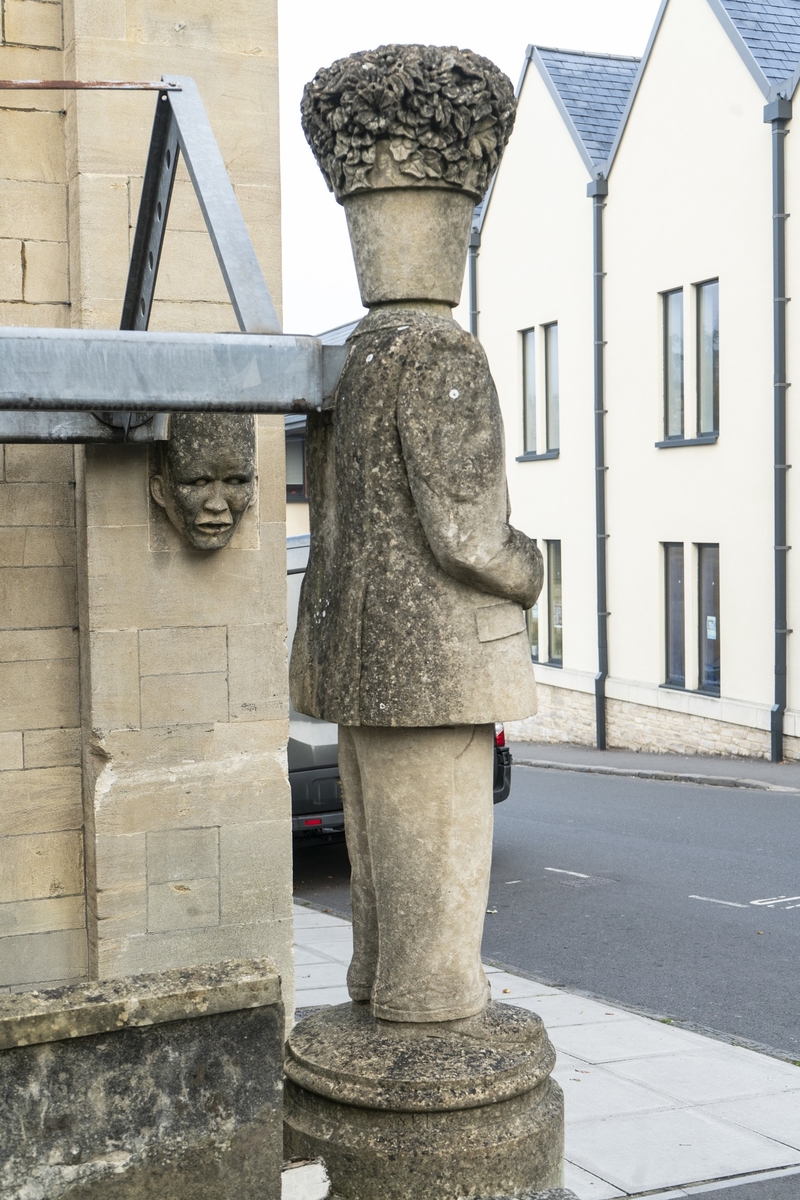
(409, 1112)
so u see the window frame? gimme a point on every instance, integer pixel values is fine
(667, 397)
(700, 291)
(528, 338)
(552, 399)
(554, 660)
(676, 629)
(714, 687)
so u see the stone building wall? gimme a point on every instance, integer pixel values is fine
(200, 660)
(567, 716)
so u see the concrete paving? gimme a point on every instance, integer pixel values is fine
(651, 1109)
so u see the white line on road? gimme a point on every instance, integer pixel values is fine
(774, 901)
(711, 900)
(558, 871)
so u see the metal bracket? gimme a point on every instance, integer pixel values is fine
(120, 386)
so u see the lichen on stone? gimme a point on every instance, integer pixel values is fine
(445, 113)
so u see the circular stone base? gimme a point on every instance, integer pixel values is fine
(407, 1112)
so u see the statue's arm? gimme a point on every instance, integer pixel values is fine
(454, 455)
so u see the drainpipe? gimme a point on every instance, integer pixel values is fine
(597, 191)
(777, 114)
(474, 250)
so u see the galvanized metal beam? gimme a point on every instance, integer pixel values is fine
(240, 268)
(81, 427)
(90, 370)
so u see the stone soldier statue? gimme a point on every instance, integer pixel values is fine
(411, 631)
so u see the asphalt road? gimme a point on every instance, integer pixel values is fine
(641, 893)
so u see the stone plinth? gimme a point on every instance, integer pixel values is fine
(407, 1112)
(161, 1085)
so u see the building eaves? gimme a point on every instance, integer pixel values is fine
(338, 335)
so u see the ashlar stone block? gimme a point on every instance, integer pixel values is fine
(41, 801)
(11, 752)
(46, 276)
(183, 651)
(39, 464)
(39, 694)
(29, 209)
(42, 865)
(33, 23)
(52, 747)
(182, 904)
(184, 699)
(37, 598)
(38, 504)
(42, 957)
(33, 145)
(42, 916)
(175, 854)
(10, 269)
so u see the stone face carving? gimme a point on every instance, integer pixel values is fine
(442, 115)
(206, 480)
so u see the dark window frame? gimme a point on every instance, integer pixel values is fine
(708, 688)
(665, 305)
(673, 630)
(529, 444)
(554, 660)
(698, 293)
(552, 427)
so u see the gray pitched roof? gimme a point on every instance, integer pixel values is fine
(771, 31)
(594, 89)
(339, 335)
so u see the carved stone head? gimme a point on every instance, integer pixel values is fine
(408, 138)
(206, 477)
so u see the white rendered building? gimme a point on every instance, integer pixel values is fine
(628, 283)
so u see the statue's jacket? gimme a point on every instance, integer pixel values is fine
(412, 607)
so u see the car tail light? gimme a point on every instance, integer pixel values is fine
(499, 735)
(313, 821)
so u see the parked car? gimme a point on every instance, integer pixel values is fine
(314, 746)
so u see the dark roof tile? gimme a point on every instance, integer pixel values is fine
(771, 31)
(595, 89)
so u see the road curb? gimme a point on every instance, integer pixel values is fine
(756, 785)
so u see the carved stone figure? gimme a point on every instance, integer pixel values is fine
(411, 632)
(411, 635)
(206, 480)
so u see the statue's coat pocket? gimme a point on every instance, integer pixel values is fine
(499, 621)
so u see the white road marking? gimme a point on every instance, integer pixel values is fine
(711, 900)
(774, 901)
(510, 881)
(577, 874)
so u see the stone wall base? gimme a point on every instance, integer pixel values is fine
(566, 716)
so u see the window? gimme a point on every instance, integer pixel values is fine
(673, 364)
(675, 673)
(532, 622)
(529, 390)
(708, 611)
(708, 357)
(296, 469)
(551, 384)
(555, 643)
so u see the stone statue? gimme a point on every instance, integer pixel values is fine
(411, 633)
(411, 636)
(206, 476)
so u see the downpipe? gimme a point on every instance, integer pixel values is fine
(597, 192)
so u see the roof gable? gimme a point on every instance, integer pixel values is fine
(771, 31)
(593, 90)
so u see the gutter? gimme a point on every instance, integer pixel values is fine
(474, 251)
(777, 114)
(597, 191)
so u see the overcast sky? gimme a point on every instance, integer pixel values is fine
(319, 283)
